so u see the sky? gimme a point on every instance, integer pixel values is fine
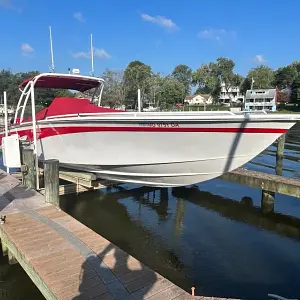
(161, 33)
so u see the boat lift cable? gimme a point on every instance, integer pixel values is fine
(5, 119)
(34, 135)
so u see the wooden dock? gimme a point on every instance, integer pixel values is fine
(67, 260)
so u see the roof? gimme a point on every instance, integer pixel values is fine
(205, 96)
(64, 81)
(188, 97)
(260, 93)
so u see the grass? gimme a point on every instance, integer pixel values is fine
(286, 111)
(208, 108)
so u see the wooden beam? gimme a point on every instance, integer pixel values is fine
(73, 188)
(264, 181)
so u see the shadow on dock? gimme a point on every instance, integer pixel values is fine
(123, 283)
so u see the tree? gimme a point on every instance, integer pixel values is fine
(209, 77)
(136, 76)
(263, 77)
(184, 75)
(296, 65)
(154, 94)
(295, 95)
(283, 97)
(9, 82)
(114, 88)
(285, 76)
(206, 78)
(172, 91)
(245, 85)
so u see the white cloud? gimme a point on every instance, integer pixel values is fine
(259, 58)
(101, 53)
(26, 49)
(78, 16)
(160, 20)
(216, 34)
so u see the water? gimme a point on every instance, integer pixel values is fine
(15, 284)
(213, 235)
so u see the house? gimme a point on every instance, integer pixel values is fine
(199, 99)
(230, 94)
(262, 99)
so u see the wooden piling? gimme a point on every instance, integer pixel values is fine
(267, 201)
(280, 147)
(51, 180)
(11, 259)
(28, 168)
(4, 248)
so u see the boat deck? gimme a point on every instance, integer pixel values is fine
(66, 259)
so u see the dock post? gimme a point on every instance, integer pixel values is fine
(280, 147)
(51, 180)
(267, 201)
(11, 259)
(28, 168)
(279, 154)
(4, 248)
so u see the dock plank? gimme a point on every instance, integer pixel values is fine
(67, 260)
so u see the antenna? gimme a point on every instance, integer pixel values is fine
(51, 49)
(92, 55)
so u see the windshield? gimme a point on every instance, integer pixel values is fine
(93, 94)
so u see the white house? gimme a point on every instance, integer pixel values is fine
(199, 99)
(263, 99)
(231, 94)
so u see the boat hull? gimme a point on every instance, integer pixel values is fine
(154, 154)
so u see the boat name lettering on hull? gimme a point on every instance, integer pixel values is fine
(161, 124)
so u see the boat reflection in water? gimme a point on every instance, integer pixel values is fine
(223, 247)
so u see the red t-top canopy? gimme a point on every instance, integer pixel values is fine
(65, 106)
(64, 81)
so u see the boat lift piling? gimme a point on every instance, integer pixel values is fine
(34, 134)
(51, 180)
(280, 147)
(28, 167)
(139, 100)
(5, 119)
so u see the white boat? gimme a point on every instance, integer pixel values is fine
(164, 149)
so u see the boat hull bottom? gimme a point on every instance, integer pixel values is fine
(165, 175)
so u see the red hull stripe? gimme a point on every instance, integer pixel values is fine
(47, 132)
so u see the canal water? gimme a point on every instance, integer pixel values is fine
(213, 236)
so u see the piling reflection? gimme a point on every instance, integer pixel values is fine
(179, 217)
(242, 211)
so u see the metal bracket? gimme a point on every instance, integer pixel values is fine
(24, 168)
(2, 220)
